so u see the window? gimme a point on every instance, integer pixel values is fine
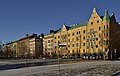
(106, 26)
(68, 51)
(91, 23)
(68, 40)
(79, 32)
(83, 50)
(55, 37)
(97, 21)
(58, 36)
(94, 43)
(91, 43)
(51, 40)
(106, 42)
(83, 44)
(99, 35)
(48, 41)
(73, 34)
(84, 38)
(106, 34)
(72, 51)
(83, 31)
(88, 43)
(64, 40)
(72, 45)
(68, 45)
(96, 46)
(68, 34)
(96, 39)
(77, 44)
(99, 28)
(99, 42)
(91, 30)
(77, 38)
(88, 37)
(94, 36)
(72, 39)
(76, 51)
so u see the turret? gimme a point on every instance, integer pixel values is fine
(106, 17)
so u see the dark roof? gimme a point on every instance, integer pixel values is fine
(101, 17)
(69, 27)
(78, 25)
(58, 30)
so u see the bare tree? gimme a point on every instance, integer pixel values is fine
(23, 49)
(7, 51)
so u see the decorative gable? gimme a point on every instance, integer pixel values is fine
(95, 18)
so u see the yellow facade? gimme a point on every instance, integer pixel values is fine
(90, 39)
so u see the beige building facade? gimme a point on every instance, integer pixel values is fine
(98, 38)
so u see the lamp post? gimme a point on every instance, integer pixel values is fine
(107, 53)
(31, 53)
(26, 59)
(60, 45)
(115, 54)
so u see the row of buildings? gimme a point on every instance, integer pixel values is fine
(97, 38)
(28, 46)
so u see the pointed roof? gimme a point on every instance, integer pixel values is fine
(94, 9)
(67, 27)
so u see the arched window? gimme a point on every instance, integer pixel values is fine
(106, 26)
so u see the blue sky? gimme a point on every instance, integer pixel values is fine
(21, 17)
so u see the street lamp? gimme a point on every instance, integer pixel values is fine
(115, 54)
(31, 53)
(26, 59)
(60, 45)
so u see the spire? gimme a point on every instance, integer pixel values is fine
(112, 14)
(106, 12)
(106, 17)
(94, 9)
(64, 24)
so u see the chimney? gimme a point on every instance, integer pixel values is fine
(27, 34)
(35, 35)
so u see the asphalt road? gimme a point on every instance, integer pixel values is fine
(22, 63)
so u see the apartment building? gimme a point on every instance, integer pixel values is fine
(97, 38)
(28, 46)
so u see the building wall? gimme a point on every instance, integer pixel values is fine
(28, 46)
(48, 44)
(98, 37)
